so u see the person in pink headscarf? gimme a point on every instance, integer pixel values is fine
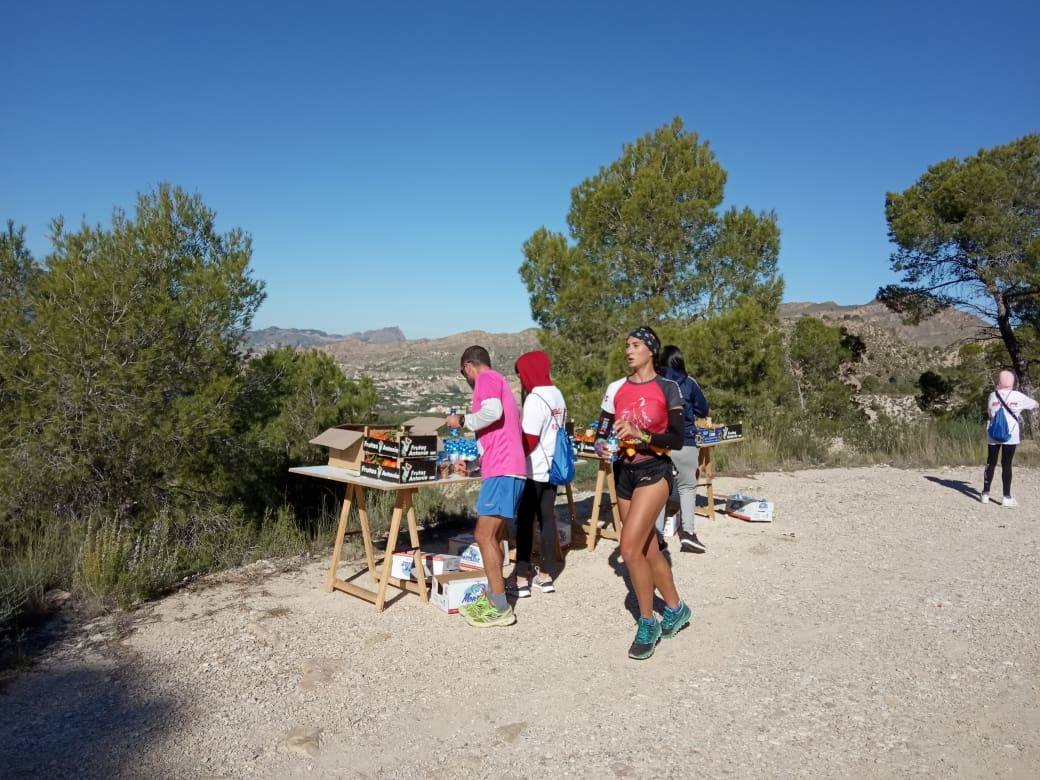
(1008, 401)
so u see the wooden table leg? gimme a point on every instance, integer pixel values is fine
(705, 476)
(615, 510)
(366, 533)
(391, 543)
(597, 499)
(413, 534)
(341, 532)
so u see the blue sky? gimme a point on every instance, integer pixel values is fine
(402, 152)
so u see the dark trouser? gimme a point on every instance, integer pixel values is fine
(1007, 454)
(538, 500)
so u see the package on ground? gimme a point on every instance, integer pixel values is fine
(563, 530)
(671, 525)
(344, 443)
(749, 509)
(451, 590)
(437, 564)
(465, 546)
(400, 470)
(403, 564)
(709, 433)
(415, 438)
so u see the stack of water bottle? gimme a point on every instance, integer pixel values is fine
(459, 456)
(606, 447)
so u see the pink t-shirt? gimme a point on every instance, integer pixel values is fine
(501, 454)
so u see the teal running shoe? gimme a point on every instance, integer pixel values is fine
(647, 637)
(674, 622)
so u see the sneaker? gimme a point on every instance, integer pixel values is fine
(674, 622)
(688, 542)
(544, 582)
(465, 609)
(483, 614)
(519, 586)
(984, 498)
(1009, 501)
(647, 637)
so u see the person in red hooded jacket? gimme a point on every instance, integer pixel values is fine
(544, 415)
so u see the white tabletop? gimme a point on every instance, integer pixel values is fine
(353, 478)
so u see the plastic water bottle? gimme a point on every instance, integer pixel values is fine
(612, 443)
(454, 431)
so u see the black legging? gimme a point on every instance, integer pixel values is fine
(1007, 454)
(538, 499)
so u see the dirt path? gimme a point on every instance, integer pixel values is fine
(885, 625)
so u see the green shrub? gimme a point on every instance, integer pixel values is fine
(120, 566)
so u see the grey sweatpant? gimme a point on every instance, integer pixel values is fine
(685, 461)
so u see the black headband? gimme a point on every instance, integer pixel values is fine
(647, 337)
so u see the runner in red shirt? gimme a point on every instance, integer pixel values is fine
(644, 412)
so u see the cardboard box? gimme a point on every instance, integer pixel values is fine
(344, 443)
(415, 438)
(716, 434)
(403, 472)
(402, 564)
(671, 525)
(748, 509)
(438, 564)
(450, 591)
(466, 548)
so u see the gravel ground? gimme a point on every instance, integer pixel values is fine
(885, 625)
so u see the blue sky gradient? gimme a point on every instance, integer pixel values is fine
(390, 151)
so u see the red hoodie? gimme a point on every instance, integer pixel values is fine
(533, 369)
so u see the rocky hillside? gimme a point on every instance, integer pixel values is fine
(422, 375)
(269, 338)
(945, 330)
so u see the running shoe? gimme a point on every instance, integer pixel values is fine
(984, 498)
(485, 615)
(544, 582)
(519, 586)
(647, 637)
(689, 542)
(1009, 501)
(674, 622)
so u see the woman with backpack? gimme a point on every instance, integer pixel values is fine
(543, 422)
(1005, 407)
(695, 405)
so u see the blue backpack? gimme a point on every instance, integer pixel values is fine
(561, 470)
(998, 429)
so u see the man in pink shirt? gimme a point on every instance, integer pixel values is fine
(503, 468)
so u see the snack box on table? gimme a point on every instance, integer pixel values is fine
(400, 470)
(707, 435)
(465, 546)
(435, 564)
(451, 590)
(416, 438)
(345, 443)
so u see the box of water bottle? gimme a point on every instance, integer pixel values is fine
(451, 590)
(466, 547)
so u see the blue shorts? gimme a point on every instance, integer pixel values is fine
(500, 496)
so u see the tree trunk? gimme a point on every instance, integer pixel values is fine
(1018, 362)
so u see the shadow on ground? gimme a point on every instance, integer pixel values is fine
(959, 485)
(84, 721)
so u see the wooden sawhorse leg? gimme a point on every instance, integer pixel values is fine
(381, 577)
(604, 480)
(705, 478)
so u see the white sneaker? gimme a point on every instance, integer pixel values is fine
(1009, 501)
(984, 498)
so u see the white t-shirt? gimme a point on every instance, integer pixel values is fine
(545, 412)
(1018, 403)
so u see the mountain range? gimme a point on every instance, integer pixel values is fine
(421, 375)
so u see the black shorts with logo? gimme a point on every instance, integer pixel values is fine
(628, 476)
